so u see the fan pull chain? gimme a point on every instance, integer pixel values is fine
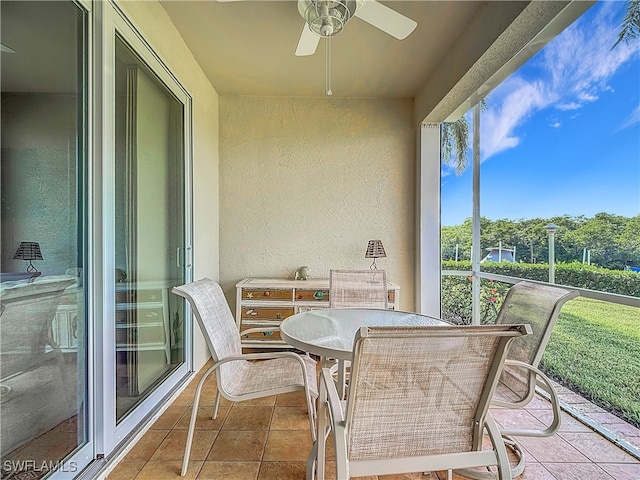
(327, 78)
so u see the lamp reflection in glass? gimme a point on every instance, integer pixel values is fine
(375, 250)
(29, 251)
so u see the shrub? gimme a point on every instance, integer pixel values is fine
(456, 299)
(573, 274)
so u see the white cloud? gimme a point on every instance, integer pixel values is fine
(520, 100)
(571, 71)
(568, 106)
(632, 119)
(555, 125)
(587, 97)
(446, 170)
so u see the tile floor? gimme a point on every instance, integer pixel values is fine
(268, 439)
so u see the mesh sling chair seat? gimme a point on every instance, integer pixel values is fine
(539, 306)
(241, 376)
(32, 364)
(355, 289)
(418, 401)
(358, 289)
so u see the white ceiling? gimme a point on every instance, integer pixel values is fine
(459, 49)
(44, 37)
(247, 48)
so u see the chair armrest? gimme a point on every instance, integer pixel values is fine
(333, 399)
(259, 330)
(259, 356)
(543, 382)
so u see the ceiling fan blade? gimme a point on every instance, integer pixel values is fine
(6, 49)
(308, 42)
(386, 19)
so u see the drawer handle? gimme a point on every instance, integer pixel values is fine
(279, 316)
(251, 311)
(267, 293)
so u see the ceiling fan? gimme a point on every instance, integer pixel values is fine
(327, 18)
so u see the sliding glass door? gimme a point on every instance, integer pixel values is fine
(44, 350)
(149, 229)
(145, 222)
(95, 230)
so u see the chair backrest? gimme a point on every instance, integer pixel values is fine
(539, 306)
(27, 311)
(214, 317)
(422, 390)
(358, 289)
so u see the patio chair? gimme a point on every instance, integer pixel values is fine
(241, 376)
(418, 401)
(355, 289)
(26, 315)
(33, 370)
(358, 289)
(537, 305)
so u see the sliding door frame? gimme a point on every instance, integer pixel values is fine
(112, 23)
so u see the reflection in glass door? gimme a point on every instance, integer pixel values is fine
(149, 230)
(44, 392)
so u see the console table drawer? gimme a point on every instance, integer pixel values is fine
(311, 295)
(139, 296)
(266, 294)
(266, 313)
(143, 316)
(266, 336)
(140, 337)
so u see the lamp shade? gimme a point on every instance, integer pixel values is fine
(375, 249)
(29, 251)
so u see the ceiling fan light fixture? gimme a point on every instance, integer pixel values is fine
(5, 49)
(327, 18)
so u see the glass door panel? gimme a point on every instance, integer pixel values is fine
(44, 392)
(149, 230)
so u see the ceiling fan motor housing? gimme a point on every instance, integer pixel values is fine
(327, 18)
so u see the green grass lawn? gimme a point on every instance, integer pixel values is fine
(595, 351)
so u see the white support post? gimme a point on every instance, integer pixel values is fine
(428, 220)
(475, 250)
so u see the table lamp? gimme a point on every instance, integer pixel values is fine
(375, 250)
(29, 251)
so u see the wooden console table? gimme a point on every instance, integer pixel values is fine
(265, 302)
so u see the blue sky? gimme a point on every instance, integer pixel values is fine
(560, 136)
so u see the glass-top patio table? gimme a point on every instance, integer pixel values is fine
(330, 333)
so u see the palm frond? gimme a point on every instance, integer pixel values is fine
(455, 141)
(455, 137)
(630, 27)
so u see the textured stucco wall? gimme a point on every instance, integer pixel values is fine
(39, 180)
(153, 22)
(308, 181)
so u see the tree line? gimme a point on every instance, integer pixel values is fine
(606, 240)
